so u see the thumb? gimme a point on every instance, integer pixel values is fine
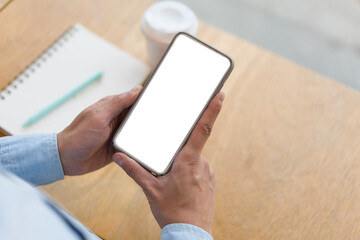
(118, 103)
(142, 177)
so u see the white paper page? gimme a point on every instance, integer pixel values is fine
(78, 58)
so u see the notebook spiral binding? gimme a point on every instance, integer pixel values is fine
(36, 64)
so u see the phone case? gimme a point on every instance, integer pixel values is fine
(221, 83)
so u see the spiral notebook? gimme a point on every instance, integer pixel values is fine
(76, 56)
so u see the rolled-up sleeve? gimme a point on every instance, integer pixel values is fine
(34, 158)
(181, 231)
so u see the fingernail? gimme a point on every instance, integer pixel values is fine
(135, 89)
(222, 96)
(118, 160)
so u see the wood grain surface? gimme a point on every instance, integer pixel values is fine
(3, 3)
(285, 148)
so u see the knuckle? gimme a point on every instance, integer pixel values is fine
(212, 181)
(104, 100)
(116, 98)
(197, 177)
(89, 112)
(113, 99)
(205, 163)
(96, 106)
(203, 159)
(97, 118)
(206, 129)
(187, 153)
(212, 173)
(86, 112)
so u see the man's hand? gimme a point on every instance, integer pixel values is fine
(85, 145)
(186, 194)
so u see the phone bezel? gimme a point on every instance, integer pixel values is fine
(216, 90)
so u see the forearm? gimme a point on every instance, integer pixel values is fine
(34, 158)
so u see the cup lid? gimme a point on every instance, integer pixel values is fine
(164, 19)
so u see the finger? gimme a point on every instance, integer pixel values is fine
(115, 123)
(115, 104)
(203, 128)
(134, 170)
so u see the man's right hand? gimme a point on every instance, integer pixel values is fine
(186, 194)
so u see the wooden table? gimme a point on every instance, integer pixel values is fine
(3, 3)
(285, 149)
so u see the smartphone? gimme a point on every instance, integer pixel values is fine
(172, 101)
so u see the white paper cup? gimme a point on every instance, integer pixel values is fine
(161, 22)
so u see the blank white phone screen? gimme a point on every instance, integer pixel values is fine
(172, 102)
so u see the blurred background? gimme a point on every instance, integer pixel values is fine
(322, 35)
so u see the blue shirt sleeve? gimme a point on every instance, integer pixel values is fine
(179, 231)
(34, 158)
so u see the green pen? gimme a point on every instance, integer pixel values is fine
(36, 117)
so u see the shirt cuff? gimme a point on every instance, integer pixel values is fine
(34, 158)
(177, 231)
